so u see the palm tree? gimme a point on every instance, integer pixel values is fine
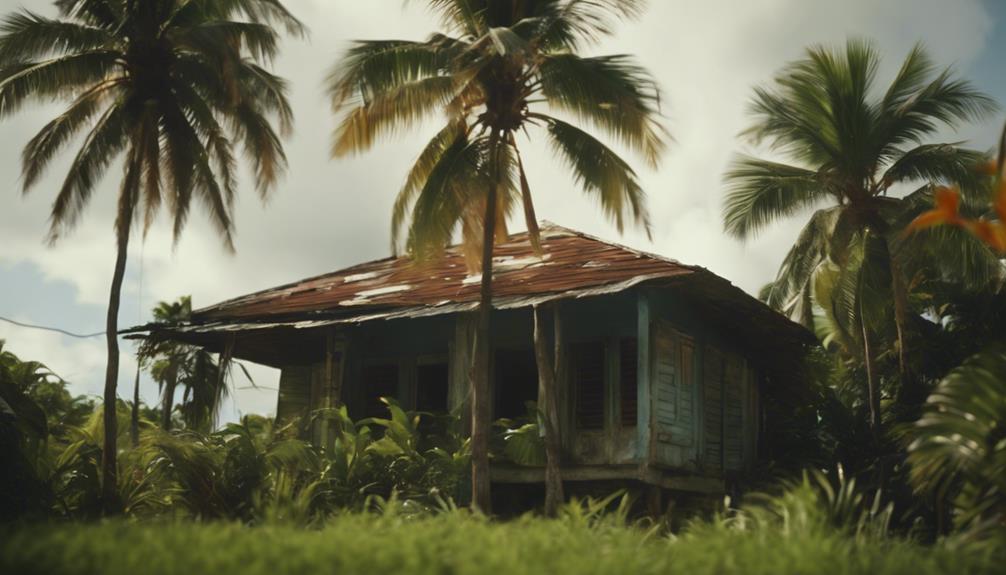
(166, 358)
(492, 76)
(169, 85)
(854, 151)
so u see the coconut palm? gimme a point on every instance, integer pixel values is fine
(855, 150)
(169, 86)
(166, 359)
(500, 70)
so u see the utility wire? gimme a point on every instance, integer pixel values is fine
(55, 329)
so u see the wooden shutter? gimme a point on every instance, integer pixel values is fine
(628, 382)
(674, 395)
(735, 396)
(713, 407)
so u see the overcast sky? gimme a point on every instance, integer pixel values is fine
(328, 214)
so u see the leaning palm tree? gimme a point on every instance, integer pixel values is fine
(171, 87)
(854, 151)
(501, 69)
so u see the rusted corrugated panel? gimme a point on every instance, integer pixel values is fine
(570, 261)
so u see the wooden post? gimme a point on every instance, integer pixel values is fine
(549, 408)
(223, 367)
(329, 399)
(459, 389)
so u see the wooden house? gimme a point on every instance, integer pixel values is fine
(666, 373)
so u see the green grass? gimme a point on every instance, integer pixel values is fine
(460, 544)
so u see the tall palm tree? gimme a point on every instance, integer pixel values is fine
(854, 150)
(501, 68)
(171, 86)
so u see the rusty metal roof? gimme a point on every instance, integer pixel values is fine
(570, 261)
(572, 265)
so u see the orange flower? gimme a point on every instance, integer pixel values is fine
(989, 168)
(947, 210)
(993, 233)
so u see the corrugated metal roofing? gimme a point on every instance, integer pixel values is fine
(570, 261)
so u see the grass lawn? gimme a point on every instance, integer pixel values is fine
(459, 544)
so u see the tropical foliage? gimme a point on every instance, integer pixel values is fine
(958, 447)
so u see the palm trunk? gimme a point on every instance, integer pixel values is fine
(547, 375)
(168, 401)
(900, 295)
(481, 406)
(109, 487)
(134, 418)
(873, 399)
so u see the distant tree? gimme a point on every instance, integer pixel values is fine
(854, 149)
(173, 364)
(490, 76)
(170, 86)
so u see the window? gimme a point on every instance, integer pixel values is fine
(516, 382)
(431, 387)
(588, 384)
(379, 380)
(628, 383)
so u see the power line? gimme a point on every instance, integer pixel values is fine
(54, 329)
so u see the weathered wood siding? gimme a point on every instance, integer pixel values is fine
(712, 408)
(674, 397)
(304, 389)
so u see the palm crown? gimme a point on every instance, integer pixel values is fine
(503, 61)
(855, 149)
(173, 84)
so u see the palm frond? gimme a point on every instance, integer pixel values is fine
(761, 192)
(945, 100)
(373, 67)
(267, 12)
(53, 79)
(957, 452)
(26, 36)
(571, 24)
(600, 171)
(937, 163)
(465, 16)
(443, 142)
(812, 248)
(104, 142)
(267, 92)
(44, 146)
(227, 37)
(612, 92)
(399, 108)
(263, 147)
(453, 184)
